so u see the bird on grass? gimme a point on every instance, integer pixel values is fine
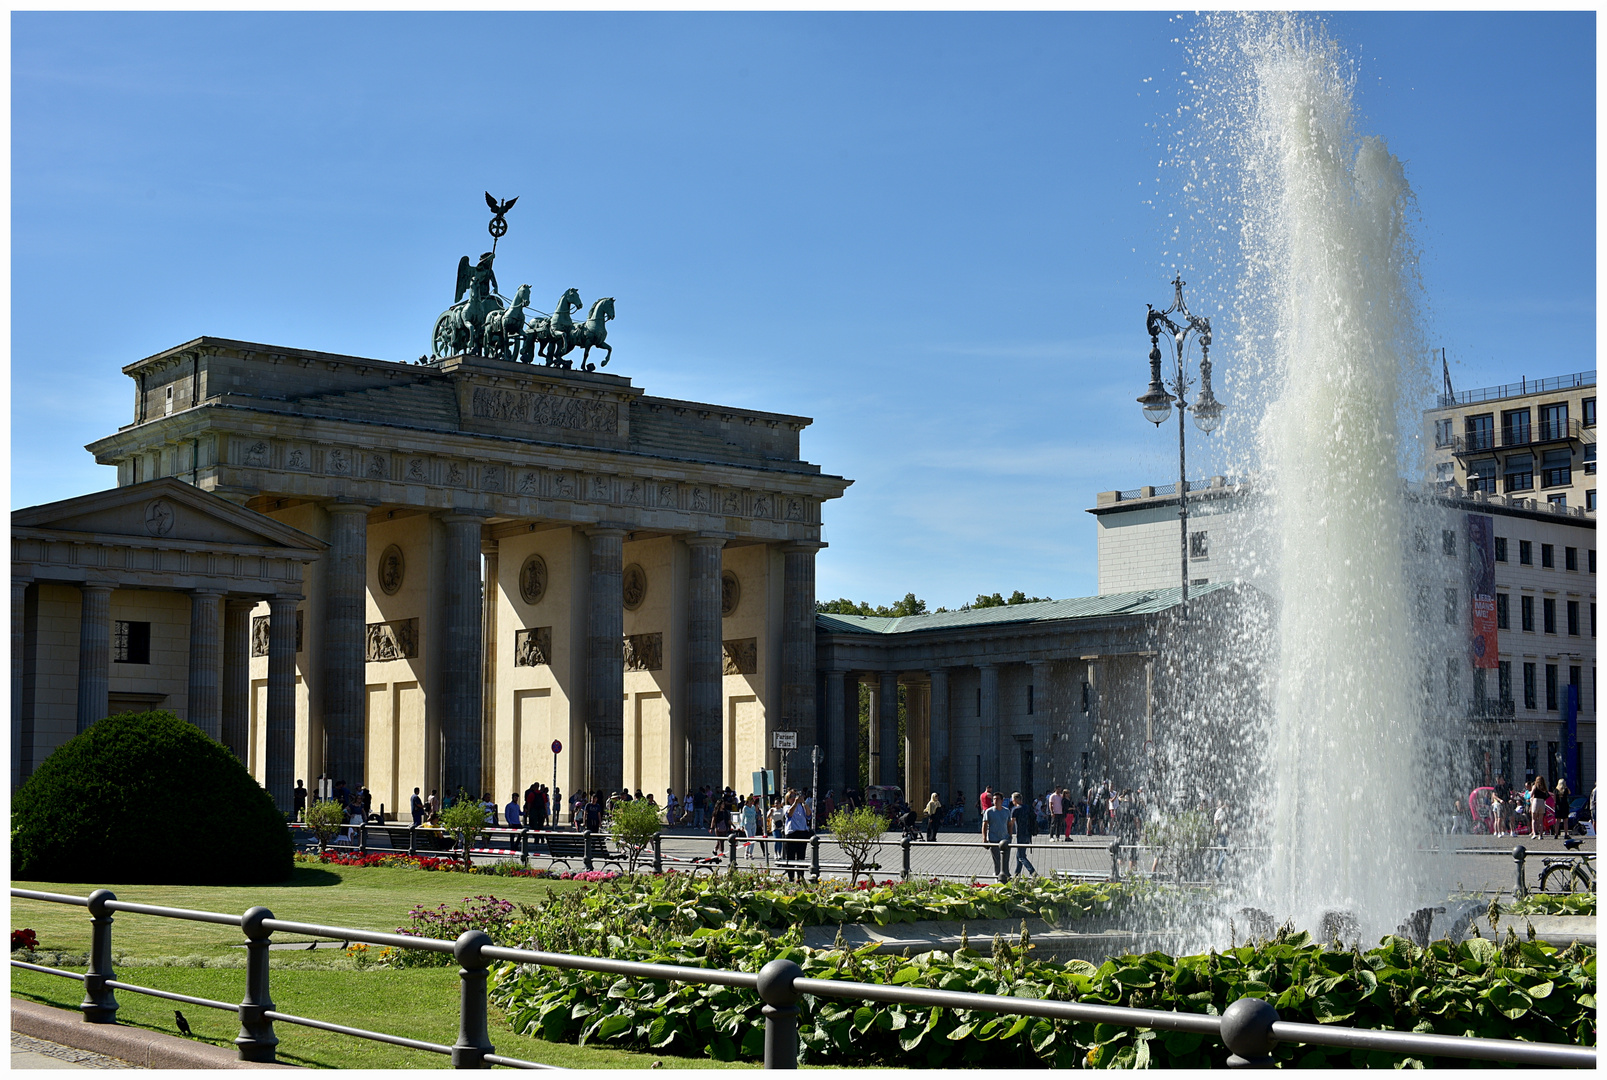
(184, 1025)
(311, 945)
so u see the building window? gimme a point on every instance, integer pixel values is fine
(1480, 432)
(1554, 422)
(1515, 427)
(1448, 541)
(1029, 699)
(1590, 500)
(1548, 556)
(1525, 553)
(1552, 757)
(1481, 476)
(1199, 545)
(1503, 685)
(1570, 558)
(1452, 678)
(1450, 607)
(1442, 432)
(1557, 468)
(1526, 612)
(131, 642)
(1590, 459)
(1573, 680)
(1557, 500)
(1593, 618)
(1587, 409)
(1503, 614)
(1422, 603)
(979, 701)
(1520, 472)
(1529, 698)
(1573, 618)
(1548, 614)
(1506, 760)
(1500, 549)
(1590, 559)
(1445, 472)
(1531, 760)
(1551, 687)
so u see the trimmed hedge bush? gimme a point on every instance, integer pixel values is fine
(146, 798)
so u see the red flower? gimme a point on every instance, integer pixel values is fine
(24, 939)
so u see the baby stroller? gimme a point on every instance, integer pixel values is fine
(906, 821)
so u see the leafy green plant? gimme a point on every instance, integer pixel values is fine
(633, 825)
(325, 818)
(859, 833)
(1515, 989)
(1181, 840)
(1583, 903)
(465, 819)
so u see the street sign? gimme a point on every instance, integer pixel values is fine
(784, 740)
(557, 747)
(764, 782)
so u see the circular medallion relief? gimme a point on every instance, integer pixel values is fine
(730, 593)
(533, 579)
(635, 586)
(391, 569)
(158, 517)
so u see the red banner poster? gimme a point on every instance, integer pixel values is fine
(1481, 579)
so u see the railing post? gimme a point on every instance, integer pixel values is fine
(256, 1040)
(1247, 1032)
(474, 1038)
(814, 857)
(780, 1013)
(412, 839)
(733, 853)
(658, 854)
(1519, 854)
(1115, 860)
(362, 839)
(587, 847)
(904, 868)
(524, 846)
(100, 1004)
(1003, 850)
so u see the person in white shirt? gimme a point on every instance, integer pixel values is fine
(1057, 815)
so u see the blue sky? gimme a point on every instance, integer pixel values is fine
(933, 233)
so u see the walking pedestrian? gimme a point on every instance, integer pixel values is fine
(299, 797)
(416, 805)
(1022, 821)
(996, 834)
(797, 832)
(720, 826)
(515, 814)
(934, 810)
(1057, 813)
(1561, 795)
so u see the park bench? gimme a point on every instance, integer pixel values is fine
(1083, 875)
(564, 848)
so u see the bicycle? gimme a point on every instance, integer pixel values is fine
(1565, 875)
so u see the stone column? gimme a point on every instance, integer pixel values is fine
(94, 653)
(488, 677)
(938, 714)
(851, 762)
(605, 661)
(1043, 750)
(704, 666)
(988, 726)
(834, 770)
(281, 720)
(344, 650)
(887, 728)
(913, 778)
(798, 643)
(204, 695)
(1099, 737)
(459, 650)
(235, 719)
(873, 731)
(19, 645)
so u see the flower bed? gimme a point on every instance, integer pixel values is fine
(400, 861)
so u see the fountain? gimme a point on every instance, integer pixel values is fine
(1318, 284)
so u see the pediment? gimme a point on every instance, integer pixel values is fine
(164, 510)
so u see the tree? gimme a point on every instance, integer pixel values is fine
(998, 600)
(910, 605)
(633, 825)
(325, 818)
(465, 819)
(859, 833)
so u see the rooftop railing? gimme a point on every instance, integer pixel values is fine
(1250, 1028)
(1518, 389)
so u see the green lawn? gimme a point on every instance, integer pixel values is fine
(420, 1003)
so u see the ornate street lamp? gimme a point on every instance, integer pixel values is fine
(1157, 401)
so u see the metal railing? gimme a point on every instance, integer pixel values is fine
(1518, 389)
(1249, 1027)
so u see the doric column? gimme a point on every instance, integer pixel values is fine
(834, 769)
(1099, 737)
(605, 661)
(704, 667)
(887, 729)
(988, 725)
(235, 721)
(913, 778)
(19, 646)
(851, 762)
(460, 655)
(281, 733)
(938, 713)
(873, 729)
(798, 642)
(204, 696)
(1042, 719)
(344, 650)
(488, 676)
(94, 653)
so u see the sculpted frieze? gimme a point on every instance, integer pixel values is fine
(541, 409)
(666, 494)
(644, 652)
(296, 459)
(259, 634)
(700, 500)
(378, 467)
(529, 482)
(533, 647)
(396, 640)
(741, 656)
(257, 453)
(338, 461)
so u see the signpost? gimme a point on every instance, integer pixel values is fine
(784, 741)
(557, 748)
(815, 757)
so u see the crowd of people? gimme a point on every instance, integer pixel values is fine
(1535, 809)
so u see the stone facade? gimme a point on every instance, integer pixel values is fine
(433, 486)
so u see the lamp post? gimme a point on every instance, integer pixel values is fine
(1157, 402)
